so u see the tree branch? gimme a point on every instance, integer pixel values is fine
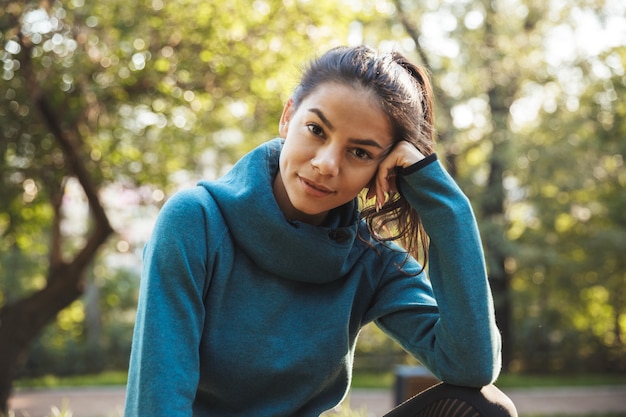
(441, 96)
(413, 32)
(71, 152)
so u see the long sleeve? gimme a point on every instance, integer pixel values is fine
(164, 365)
(455, 337)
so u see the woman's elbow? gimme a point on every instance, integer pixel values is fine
(474, 373)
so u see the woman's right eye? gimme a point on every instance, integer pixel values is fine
(315, 129)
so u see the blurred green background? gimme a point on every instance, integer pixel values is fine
(108, 107)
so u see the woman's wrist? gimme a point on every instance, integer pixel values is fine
(416, 166)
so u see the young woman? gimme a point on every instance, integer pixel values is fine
(256, 285)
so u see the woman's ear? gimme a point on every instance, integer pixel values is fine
(283, 128)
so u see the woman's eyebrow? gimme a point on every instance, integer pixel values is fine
(329, 125)
(366, 142)
(324, 119)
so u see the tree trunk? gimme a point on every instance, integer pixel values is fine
(496, 248)
(93, 326)
(493, 202)
(21, 321)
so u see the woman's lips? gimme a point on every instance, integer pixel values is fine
(314, 189)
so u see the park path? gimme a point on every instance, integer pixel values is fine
(109, 401)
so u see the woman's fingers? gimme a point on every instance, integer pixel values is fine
(402, 155)
(385, 182)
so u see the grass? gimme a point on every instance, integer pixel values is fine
(108, 378)
(386, 380)
(560, 380)
(359, 380)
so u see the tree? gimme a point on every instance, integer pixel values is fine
(572, 272)
(130, 94)
(151, 95)
(489, 59)
(35, 128)
(470, 54)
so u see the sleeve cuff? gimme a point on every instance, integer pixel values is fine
(419, 165)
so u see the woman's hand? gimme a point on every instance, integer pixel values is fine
(402, 155)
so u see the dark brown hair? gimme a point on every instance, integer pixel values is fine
(405, 95)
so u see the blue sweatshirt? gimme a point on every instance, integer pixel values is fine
(244, 313)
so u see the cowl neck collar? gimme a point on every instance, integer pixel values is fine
(289, 249)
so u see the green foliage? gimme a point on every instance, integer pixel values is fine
(159, 94)
(369, 380)
(377, 353)
(572, 274)
(107, 378)
(551, 125)
(154, 95)
(95, 332)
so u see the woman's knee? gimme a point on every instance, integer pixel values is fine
(445, 400)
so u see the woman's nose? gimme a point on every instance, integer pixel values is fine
(326, 161)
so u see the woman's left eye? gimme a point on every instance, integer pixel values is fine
(361, 154)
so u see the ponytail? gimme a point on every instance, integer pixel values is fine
(397, 220)
(424, 86)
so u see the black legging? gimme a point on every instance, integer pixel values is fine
(445, 400)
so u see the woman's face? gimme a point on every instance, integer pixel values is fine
(334, 142)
